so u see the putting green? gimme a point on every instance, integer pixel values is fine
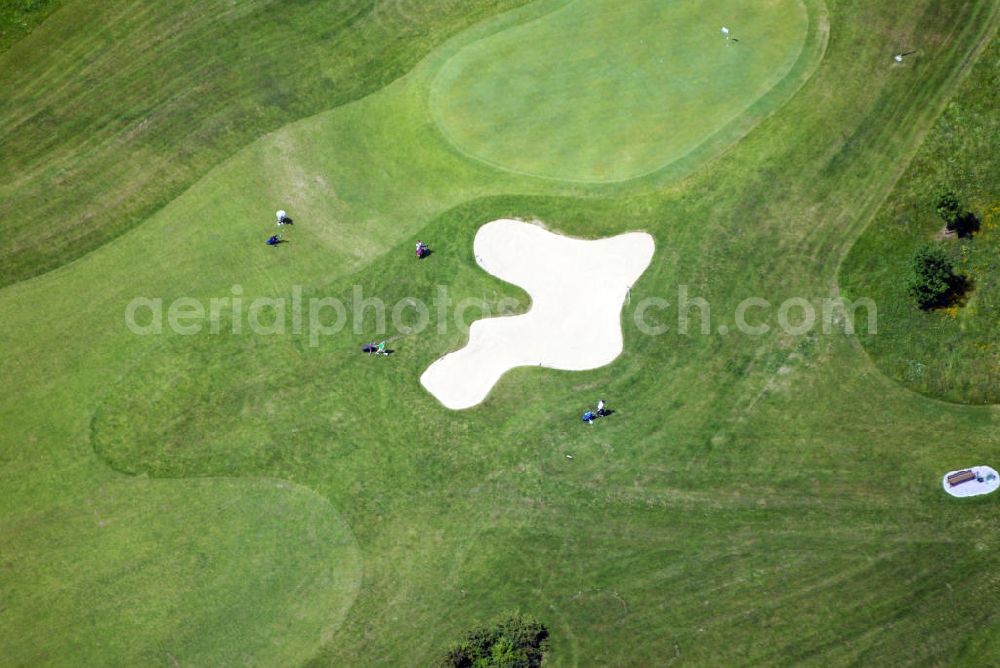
(599, 90)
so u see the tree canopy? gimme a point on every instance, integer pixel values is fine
(512, 640)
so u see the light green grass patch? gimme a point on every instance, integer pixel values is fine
(599, 90)
(209, 572)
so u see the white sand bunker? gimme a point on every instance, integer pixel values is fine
(577, 288)
(971, 482)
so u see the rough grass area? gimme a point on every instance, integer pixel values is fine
(755, 500)
(153, 95)
(950, 353)
(20, 17)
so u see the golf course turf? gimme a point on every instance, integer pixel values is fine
(220, 498)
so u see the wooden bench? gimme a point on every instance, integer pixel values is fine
(958, 477)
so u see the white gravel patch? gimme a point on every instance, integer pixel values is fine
(577, 287)
(990, 482)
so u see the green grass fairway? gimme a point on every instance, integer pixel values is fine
(230, 498)
(599, 90)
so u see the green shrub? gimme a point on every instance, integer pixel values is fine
(958, 220)
(934, 281)
(513, 640)
(949, 208)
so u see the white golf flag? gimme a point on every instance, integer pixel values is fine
(725, 31)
